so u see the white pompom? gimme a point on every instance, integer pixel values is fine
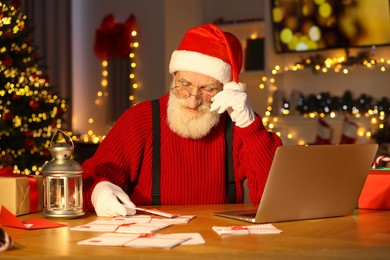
(236, 86)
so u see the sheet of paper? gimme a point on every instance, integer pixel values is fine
(149, 218)
(141, 228)
(134, 228)
(195, 238)
(145, 240)
(177, 220)
(10, 220)
(95, 227)
(109, 239)
(122, 220)
(250, 229)
(157, 241)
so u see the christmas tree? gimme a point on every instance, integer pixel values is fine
(29, 111)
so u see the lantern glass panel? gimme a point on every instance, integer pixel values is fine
(63, 194)
(57, 193)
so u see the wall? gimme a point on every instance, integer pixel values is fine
(87, 17)
(179, 16)
(231, 10)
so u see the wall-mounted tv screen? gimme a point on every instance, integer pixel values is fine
(311, 25)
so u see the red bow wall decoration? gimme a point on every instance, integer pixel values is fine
(113, 39)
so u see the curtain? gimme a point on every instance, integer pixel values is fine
(51, 23)
(118, 87)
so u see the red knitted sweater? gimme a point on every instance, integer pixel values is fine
(192, 171)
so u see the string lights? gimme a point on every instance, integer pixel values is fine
(118, 40)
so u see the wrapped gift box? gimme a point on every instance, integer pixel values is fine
(21, 194)
(376, 190)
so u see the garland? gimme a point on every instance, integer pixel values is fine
(327, 103)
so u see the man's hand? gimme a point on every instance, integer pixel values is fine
(110, 200)
(234, 100)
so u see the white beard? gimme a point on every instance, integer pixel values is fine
(185, 123)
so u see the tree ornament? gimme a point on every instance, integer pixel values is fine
(8, 116)
(16, 4)
(7, 61)
(33, 105)
(29, 144)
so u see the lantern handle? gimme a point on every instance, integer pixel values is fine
(59, 130)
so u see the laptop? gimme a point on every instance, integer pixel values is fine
(312, 181)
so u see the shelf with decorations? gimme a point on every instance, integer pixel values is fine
(295, 105)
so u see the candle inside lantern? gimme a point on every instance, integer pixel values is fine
(63, 201)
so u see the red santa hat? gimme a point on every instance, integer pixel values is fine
(209, 51)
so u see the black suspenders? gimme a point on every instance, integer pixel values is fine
(231, 184)
(156, 166)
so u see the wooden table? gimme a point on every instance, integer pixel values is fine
(365, 234)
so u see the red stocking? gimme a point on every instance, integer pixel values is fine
(324, 132)
(349, 132)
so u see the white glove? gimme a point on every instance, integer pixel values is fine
(110, 200)
(234, 99)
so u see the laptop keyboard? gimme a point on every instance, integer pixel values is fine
(248, 214)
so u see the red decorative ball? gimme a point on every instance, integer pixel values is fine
(7, 116)
(16, 4)
(34, 105)
(7, 61)
(60, 111)
(29, 144)
(46, 153)
(8, 35)
(37, 56)
(29, 41)
(29, 134)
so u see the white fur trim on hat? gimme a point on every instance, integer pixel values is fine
(236, 86)
(182, 60)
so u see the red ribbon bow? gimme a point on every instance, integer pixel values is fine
(113, 39)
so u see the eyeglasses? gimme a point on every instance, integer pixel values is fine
(184, 93)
